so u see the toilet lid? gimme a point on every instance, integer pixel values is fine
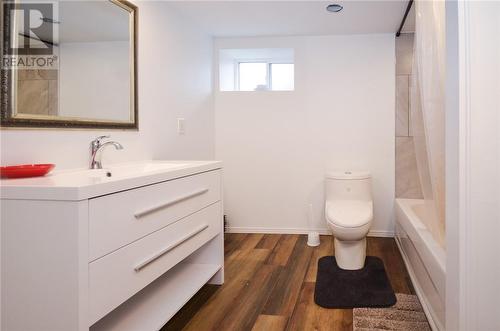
(349, 213)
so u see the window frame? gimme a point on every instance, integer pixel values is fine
(269, 78)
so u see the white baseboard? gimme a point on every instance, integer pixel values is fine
(232, 229)
(323, 231)
(381, 233)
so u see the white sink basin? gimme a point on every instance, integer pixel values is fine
(80, 184)
(131, 170)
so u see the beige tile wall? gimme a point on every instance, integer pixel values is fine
(407, 178)
(402, 105)
(37, 92)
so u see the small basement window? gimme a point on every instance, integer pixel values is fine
(256, 69)
(265, 76)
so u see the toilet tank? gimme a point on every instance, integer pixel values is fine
(348, 185)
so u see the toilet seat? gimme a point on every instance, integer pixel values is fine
(349, 213)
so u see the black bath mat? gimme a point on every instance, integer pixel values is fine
(367, 287)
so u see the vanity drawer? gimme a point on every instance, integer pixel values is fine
(118, 219)
(116, 277)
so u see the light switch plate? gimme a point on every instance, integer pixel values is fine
(181, 126)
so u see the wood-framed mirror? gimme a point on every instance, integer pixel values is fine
(69, 64)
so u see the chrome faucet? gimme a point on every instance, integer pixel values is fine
(95, 146)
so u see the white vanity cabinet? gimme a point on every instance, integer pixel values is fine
(109, 254)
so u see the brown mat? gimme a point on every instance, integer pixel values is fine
(406, 315)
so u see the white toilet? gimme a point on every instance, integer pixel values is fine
(349, 213)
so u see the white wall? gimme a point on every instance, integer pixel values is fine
(175, 64)
(473, 166)
(453, 268)
(95, 80)
(276, 146)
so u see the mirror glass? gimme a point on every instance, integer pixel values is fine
(91, 81)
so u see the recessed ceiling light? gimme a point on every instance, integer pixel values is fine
(334, 8)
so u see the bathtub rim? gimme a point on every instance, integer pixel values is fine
(437, 252)
(439, 256)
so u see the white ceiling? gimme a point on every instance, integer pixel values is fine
(275, 18)
(92, 21)
(86, 21)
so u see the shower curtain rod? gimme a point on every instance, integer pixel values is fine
(410, 3)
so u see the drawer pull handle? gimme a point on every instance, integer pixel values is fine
(170, 203)
(170, 247)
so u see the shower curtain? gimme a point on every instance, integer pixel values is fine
(427, 110)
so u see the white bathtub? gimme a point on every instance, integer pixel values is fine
(425, 259)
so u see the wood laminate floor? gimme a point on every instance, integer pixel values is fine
(269, 285)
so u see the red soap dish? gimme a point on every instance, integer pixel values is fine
(26, 170)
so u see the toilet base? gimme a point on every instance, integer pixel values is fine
(350, 255)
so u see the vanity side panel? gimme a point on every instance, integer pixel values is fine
(44, 268)
(213, 251)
